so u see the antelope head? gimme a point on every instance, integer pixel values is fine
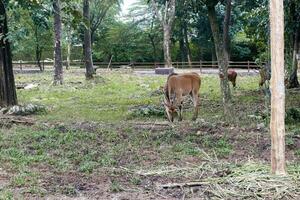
(170, 109)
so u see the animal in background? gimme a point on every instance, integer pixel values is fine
(231, 77)
(265, 75)
(177, 86)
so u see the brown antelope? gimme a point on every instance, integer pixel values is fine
(177, 86)
(231, 77)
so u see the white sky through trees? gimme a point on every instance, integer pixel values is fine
(126, 5)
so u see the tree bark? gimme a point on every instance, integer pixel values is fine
(277, 124)
(221, 51)
(38, 49)
(187, 45)
(58, 66)
(68, 56)
(87, 41)
(167, 42)
(213, 52)
(182, 48)
(69, 45)
(166, 18)
(293, 80)
(152, 40)
(8, 95)
(39, 57)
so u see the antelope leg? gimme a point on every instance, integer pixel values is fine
(196, 107)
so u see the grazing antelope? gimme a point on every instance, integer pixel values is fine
(231, 77)
(177, 86)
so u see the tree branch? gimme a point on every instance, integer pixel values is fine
(156, 10)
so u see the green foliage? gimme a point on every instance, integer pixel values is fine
(138, 36)
(29, 30)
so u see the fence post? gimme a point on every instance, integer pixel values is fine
(248, 67)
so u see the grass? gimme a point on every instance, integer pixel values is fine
(107, 101)
(111, 100)
(88, 129)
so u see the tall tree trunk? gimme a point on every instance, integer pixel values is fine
(166, 18)
(152, 37)
(182, 47)
(87, 42)
(224, 67)
(39, 57)
(8, 94)
(58, 66)
(38, 49)
(221, 52)
(167, 42)
(69, 43)
(293, 80)
(213, 53)
(277, 125)
(187, 45)
(68, 56)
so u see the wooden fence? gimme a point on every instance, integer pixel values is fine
(143, 65)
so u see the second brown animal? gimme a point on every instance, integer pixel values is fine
(231, 77)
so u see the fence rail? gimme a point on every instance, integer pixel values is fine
(143, 65)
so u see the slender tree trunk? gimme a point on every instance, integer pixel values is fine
(221, 53)
(277, 125)
(8, 94)
(213, 53)
(225, 61)
(38, 49)
(293, 80)
(58, 66)
(69, 43)
(39, 57)
(152, 37)
(181, 47)
(166, 19)
(68, 56)
(87, 42)
(187, 45)
(167, 42)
